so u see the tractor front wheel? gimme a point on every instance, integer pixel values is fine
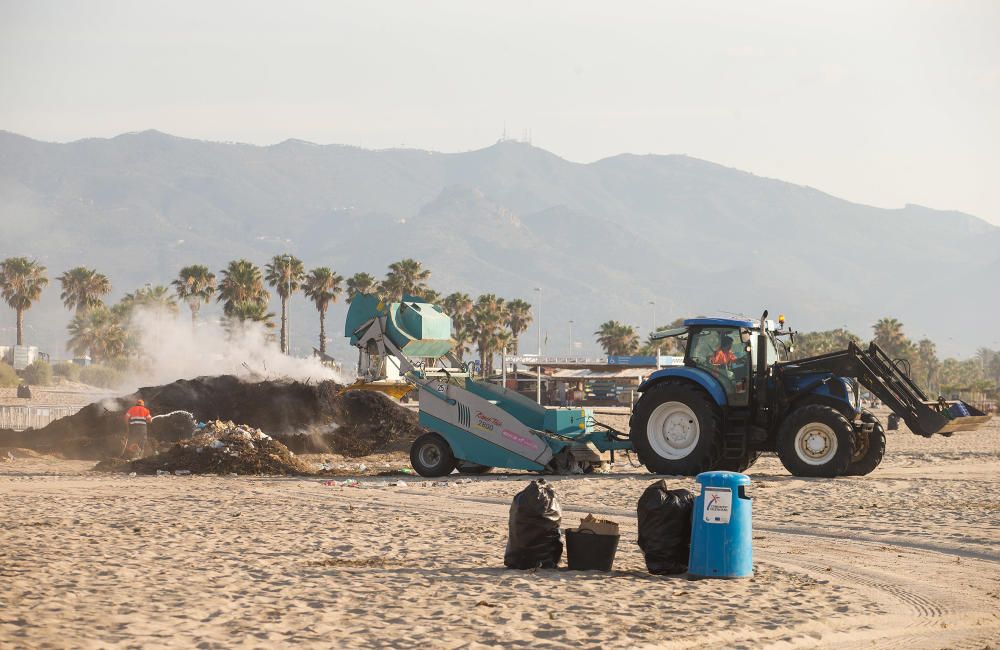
(675, 429)
(868, 452)
(431, 456)
(817, 441)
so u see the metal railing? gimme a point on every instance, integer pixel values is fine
(20, 418)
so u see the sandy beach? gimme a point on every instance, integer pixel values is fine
(906, 557)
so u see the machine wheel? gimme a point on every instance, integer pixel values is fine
(465, 467)
(745, 463)
(431, 456)
(816, 440)
(675, 429)
(868, 454)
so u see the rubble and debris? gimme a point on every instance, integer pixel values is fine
(221, 447)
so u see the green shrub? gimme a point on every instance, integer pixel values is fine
(67, 370)
(101, 376)
(39, 373)
(8, 378)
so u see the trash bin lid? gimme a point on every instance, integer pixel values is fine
(722, 479)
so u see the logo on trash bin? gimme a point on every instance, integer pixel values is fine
(718, 505)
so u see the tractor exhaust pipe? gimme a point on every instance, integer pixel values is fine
(761, 374)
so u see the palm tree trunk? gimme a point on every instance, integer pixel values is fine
(284, 323)
(194, 315)
(20, 326)
(322, 332)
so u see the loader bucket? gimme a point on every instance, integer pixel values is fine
(962, 417)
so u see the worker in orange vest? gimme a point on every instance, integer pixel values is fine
(137, 419)
(724, 355)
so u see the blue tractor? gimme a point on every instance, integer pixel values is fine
(737, 397)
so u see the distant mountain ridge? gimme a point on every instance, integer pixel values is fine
(601, 240)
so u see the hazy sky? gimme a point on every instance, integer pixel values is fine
(878, 102)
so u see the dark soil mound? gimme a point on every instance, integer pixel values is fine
(304, 417)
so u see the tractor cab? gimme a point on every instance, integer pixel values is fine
(727, 350)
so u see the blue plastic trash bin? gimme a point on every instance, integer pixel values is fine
(721, 530)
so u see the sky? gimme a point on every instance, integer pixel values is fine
(883, 103)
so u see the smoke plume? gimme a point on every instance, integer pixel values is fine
(172, 348)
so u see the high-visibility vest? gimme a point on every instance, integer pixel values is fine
(138, 415)
(722, 357)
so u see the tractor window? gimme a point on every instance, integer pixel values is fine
(721, 352)
(772, 351)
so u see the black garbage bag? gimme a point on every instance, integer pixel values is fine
(534, 539)
(665, 528)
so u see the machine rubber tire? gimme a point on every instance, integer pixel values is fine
(680, 401)
(866, 459)
(742, 465)
(826, 424)
(465, 467)
(431, 456)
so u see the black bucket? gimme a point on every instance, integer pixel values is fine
(587, 551)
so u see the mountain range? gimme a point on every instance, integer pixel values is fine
(601, 240)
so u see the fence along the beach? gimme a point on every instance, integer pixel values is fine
(20, 418)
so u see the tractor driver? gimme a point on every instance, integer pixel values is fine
(724, 355)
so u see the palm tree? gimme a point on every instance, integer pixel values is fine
(929, 363)
(285, 273)
(489, 323)
(150, 298)
(99, 332)
(195, 285)
(363, 283)
(21, 284)
(322, 286)
(248, 312)
(241, 282)
(617, 338)
(459, 307)
(83, 288)
(889, 336)
(489, 317)
(518, 319)
(428, 295)
(405, 277)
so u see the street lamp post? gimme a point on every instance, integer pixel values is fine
(570, 353)
(288, 299)
(653, 328)
(538, 366)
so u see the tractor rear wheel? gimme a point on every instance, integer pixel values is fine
(816, 440)
(868, 452)
(431, 456)
(675, 429)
